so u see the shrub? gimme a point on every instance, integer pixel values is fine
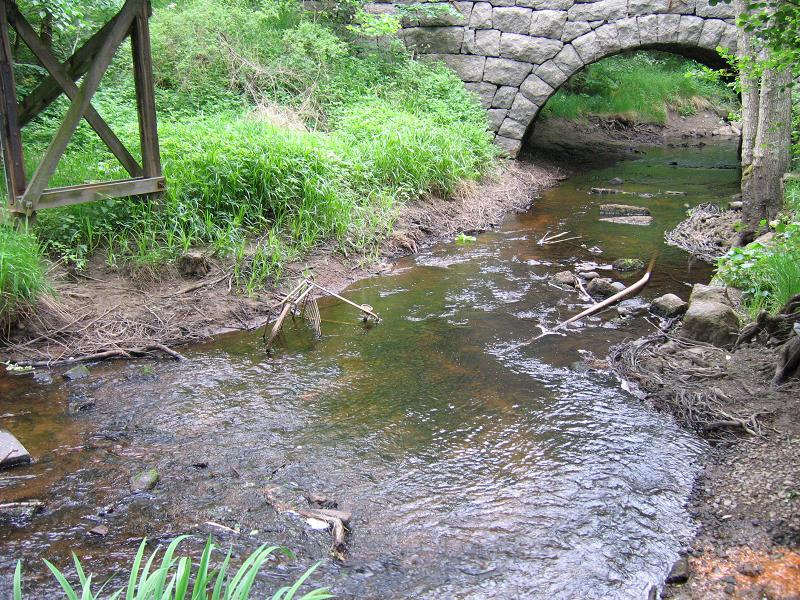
(769, 274)
(21, 271)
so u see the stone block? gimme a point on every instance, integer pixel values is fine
(512, 19)
(434, 40)
(712, 33)
(729, 38)
(690, 30)
(574, 29)
(529, 49)
(481, 17)
(588, 48)
(607, 39)
(548, 23)
(536, 90)
(484, 91)
(669, 27)
(504, 97)
(512, 129)
(443, 14)
(523, 110)
(649, 7)
(550, 74)
(485, 42)
(722, 10)
(508, 145)
(568, 60)
(468, 68)
(603, 10)
(668, 306)
(711, 322)
(504, 71)
(496, 117)
(648, 29)
(546, 4)
(628, 33)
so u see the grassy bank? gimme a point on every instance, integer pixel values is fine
(641, 87)
(280, 129)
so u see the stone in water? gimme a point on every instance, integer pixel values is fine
(12, 453)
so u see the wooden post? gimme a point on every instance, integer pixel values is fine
(145, 91)
(10, 132)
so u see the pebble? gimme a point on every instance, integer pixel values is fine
(145, 481)
(100, 531)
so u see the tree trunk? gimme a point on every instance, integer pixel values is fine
(761, 180)
(749, 95)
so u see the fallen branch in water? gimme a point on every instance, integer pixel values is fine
(547, 239)
(632, 289)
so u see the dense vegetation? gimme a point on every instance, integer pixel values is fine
(279, 129)
(641, 87)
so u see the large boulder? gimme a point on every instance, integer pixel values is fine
(12, 453)
(711, 322)
(715, 293)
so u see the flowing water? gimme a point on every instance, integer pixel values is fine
(473, 468)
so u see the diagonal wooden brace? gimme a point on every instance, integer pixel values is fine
(59, 74)
(79, 105)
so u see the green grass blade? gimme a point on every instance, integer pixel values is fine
(65, 585)
(18, 581)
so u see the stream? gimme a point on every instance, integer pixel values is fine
(473, 468)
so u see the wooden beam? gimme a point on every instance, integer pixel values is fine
(10, 135)
(91, 192)
(75, 66)
(79, 105)
(58, 72)
(145, 91)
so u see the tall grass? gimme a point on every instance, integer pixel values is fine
(177, 579)
(21, 272)
(641, 87)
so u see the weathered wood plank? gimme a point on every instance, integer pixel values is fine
(58, 73)
(78, 106)
(10, 130)
(75, 66)
(145, 92)
(79, 194)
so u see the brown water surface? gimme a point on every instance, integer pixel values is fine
(472, 469)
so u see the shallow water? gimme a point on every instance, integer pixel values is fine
(472, 469)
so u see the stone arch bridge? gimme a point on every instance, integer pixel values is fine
(515, 54)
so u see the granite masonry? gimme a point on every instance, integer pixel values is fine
(514, 54)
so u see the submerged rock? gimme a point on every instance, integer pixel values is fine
(602, 287)
(43, 377)
(145, 481)
(628, 264)
(603, 191)
(564, 278)
(668, 306)
(616, 181)
(12, 453)
(633, 307)
(589, 275)
(711, 322)
(623, 210)
(644, 221)
(75, 373)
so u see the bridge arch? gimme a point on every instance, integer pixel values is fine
(515, 54)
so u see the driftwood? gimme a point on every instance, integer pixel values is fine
(337, 520)
(301, 299)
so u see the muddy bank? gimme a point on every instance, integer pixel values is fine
(747, 499)
(108, 313)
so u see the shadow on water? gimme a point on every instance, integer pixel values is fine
(471, 470)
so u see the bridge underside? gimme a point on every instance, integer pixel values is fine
(516, 56)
